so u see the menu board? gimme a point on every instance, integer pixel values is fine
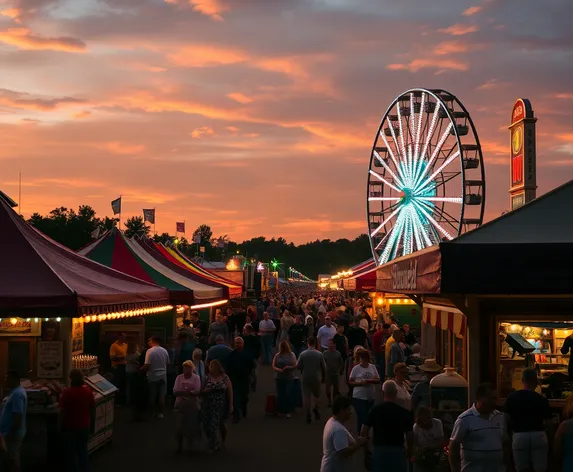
(101, 384)
(50, 360)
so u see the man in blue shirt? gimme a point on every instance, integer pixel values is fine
(13, 420)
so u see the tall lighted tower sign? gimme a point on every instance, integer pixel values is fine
(523, 182)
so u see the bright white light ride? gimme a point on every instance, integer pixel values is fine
(426, 179)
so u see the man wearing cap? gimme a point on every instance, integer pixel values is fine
(326, 333)
(421, 392)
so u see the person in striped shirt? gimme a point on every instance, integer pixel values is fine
(479, 441)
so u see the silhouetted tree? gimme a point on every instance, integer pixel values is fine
(135, 226)
(206, 234)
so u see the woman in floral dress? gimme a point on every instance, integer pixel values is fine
(217, 404)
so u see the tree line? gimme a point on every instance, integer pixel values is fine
(76, 229)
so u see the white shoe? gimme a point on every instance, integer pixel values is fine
(160, 416)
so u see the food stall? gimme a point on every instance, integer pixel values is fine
(47, 294)
(513, 275)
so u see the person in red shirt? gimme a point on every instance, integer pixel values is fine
(379, 347)
(77, 416)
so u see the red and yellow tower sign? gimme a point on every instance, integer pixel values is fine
(523, 182)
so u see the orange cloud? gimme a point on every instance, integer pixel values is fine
(493, 147)
(565, 96)
(418, 64)
(459, 29)
(450, 47)
(23, 38)
(239, 97)
(124, 149)
(232, 129)
(210, 8)
(566, 137)
(491, 85)
(472, 11)
(25, 101)
(204, 131)
(202, 55)
(82, 114)
(13, 13)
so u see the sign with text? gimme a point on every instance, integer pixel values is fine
(523, 181)
(50, 360)
(77, 336)
(19, 327)
(417, 273)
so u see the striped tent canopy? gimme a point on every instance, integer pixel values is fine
(114, 250)
(235, 290)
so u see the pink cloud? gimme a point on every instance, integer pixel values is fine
(23, 38)
(202, 132)
(240, 98)
(459, 29)
(472, 11)
(419, 64)
(124, 149)
(210, 8)
(491, 84)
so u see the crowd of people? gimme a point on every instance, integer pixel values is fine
(318, 345)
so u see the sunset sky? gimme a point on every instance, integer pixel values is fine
(257, 116)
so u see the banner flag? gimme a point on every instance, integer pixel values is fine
(116, 206)
(197, 239)
(180, 227)
(149, 215)
(95, 233)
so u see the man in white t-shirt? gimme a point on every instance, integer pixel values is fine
(156, 362)
(325, 333)
(338, 445)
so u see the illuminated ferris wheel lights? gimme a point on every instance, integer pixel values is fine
(446, 163)
(415, 185)
(375, 232)
(432, 220)
(383, 199)
(441, 199)
(377, 156)
(383, 180)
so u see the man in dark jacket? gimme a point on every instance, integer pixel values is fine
(253, 347)
(239, 367)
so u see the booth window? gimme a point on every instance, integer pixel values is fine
(537, 345)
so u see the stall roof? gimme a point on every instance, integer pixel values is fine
(235, 289)
(204, 290)
(527, 251)
(112, 250)
(547, 219)
(39, 275)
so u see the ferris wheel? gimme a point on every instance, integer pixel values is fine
(426, 179)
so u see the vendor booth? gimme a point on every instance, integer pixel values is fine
(47, 294)
(499, 298)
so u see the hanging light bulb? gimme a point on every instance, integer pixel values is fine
(58, 319)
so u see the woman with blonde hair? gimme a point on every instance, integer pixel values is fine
(216, 406)
(284, 364)
(186, 391)
(286, 322)
(564, 438)
(404, 397)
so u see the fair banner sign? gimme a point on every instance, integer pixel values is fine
(20, 327)
(418, 273)
(523, 160)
